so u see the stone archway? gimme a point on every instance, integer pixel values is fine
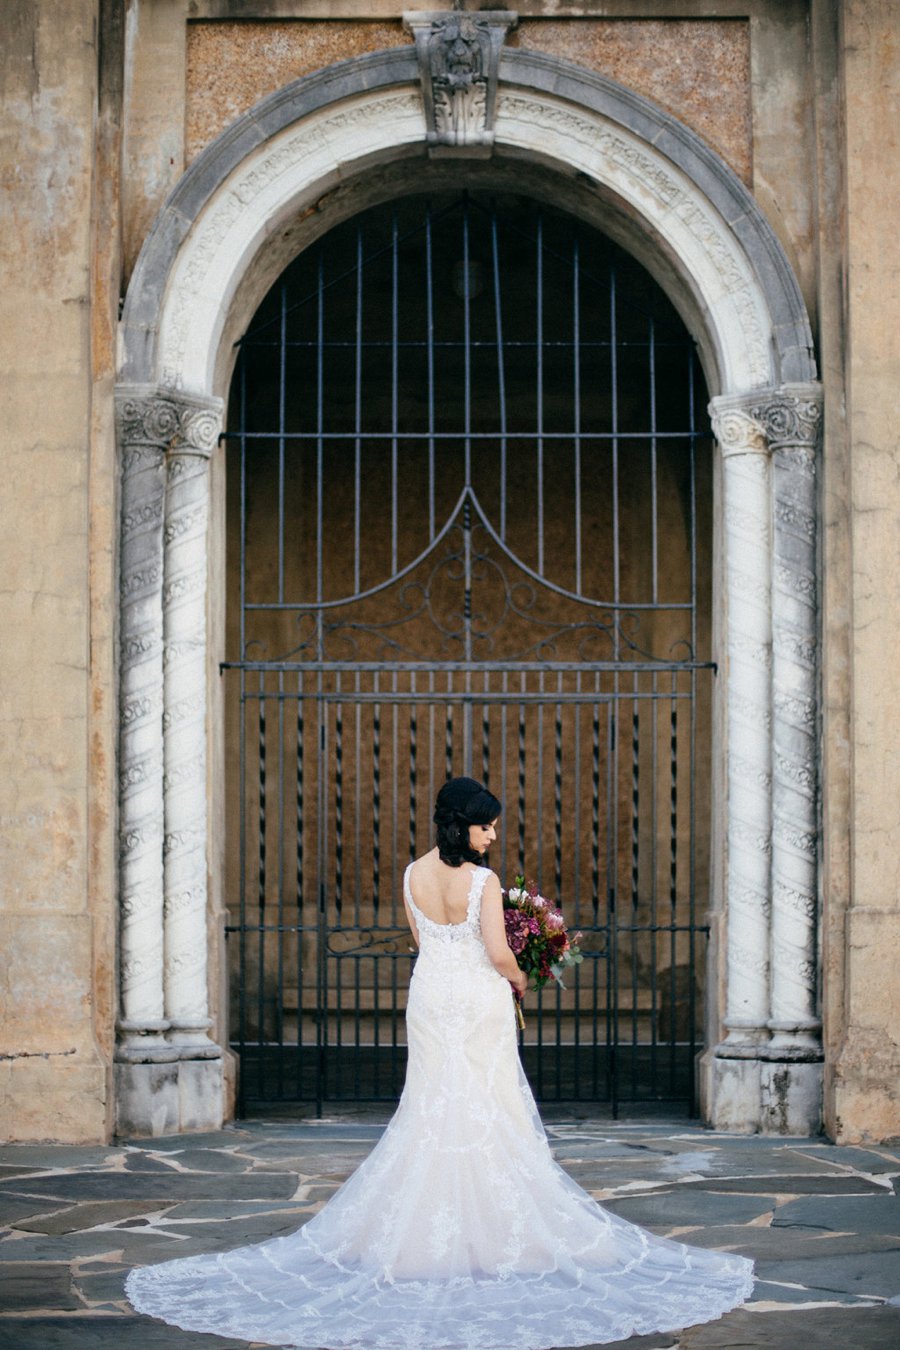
(280, 175)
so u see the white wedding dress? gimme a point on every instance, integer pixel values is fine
(459, 1231)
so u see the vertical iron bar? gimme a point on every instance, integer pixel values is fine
(654, 523)
(557, 796)
(576, 400)
(261, 891)
(614, 395)
(357, 411)
(654, 882)
(320, 452)
(486, 736)
(338, 1057)
(503, 770)
(467, 634)
(429, 304)
(279, 947)
(299, 918)
(467, 345)
(357, 833)
(413, 771)
(673, 880)
(242, 748)
(357, 1059)
(692, 418)
(448, 738)
(521, 799)
(432, 712)
(395, 350)
(539, 319)
(395, 843)
(692, 733)
(612, 848)
(322, 1019)
(501, 367)
(576, 859)
(376, 803)
(282, 382)
(692, 881)
(539, 785)
(338, 807)
(376, 1034)
(635, 875)
(595, 811)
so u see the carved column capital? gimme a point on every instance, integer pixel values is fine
(767, 420)
(737, 427)
(459, 55)
(791, 416)
(174, 423)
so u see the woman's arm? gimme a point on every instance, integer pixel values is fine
(493, 931)
(411, 921)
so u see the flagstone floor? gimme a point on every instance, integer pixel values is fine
(822, 1223)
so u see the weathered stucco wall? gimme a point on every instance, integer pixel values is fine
(231, 66)
(54, 929)
(864, 1007)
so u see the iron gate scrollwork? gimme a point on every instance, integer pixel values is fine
(465, 487)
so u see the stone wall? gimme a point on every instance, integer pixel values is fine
(863, 918)
(57, 522)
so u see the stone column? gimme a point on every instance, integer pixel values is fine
(791, 1084)
(168, 1072)
(731, 1073)
(184, 729)
(748, 565)
(146, 424)
(791, 419)
(766, 1073)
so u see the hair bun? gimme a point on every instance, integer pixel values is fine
(460, 803)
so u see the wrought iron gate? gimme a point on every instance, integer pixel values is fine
(470, 515)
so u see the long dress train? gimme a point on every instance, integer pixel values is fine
(459, 1231)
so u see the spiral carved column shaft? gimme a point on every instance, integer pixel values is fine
(145, 427)
(184, 729)
(791, 419)
(748, 582)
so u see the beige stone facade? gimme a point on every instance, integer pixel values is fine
(105, 110)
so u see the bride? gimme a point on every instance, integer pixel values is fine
(459, 1231)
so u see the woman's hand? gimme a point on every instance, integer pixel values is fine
(519, 983)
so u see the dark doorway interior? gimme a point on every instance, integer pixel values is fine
(469, 509)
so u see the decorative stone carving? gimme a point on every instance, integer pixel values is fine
(742, 440)
(641, 175)
(791, 419)
(184, 728)
(459, 55)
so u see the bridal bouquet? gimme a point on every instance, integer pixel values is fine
(537, 935)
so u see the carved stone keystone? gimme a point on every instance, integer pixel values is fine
(459, 54)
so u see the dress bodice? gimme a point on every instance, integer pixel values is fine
(446, 933)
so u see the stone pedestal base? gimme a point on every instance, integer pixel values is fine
(174, 1098)
(761, 1096)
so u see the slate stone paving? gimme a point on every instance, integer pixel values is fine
(821, 1222)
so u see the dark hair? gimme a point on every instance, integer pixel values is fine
(460, 803)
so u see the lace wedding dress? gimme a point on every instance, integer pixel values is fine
(459, 1231)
